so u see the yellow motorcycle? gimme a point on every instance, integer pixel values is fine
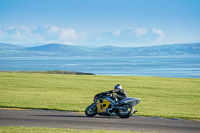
(104, 104)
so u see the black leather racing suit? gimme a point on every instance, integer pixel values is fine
(121, 94)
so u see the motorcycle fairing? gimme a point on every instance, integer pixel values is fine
(102, 105)
(130, 100)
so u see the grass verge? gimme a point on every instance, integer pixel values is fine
(162, 97)
(54, 130)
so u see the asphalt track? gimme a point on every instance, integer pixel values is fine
(64, 119)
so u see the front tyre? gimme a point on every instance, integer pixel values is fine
(91, 110)
(126, 111)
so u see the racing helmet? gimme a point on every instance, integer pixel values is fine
(118, 87)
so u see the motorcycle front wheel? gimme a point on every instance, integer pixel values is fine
(91, 110)
(126, 111)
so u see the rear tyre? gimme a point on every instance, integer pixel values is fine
(126, 111)
(91, 110)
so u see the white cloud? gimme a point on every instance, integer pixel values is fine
(46, 27)
(10, 28)
(42, 34)
(18, 35)
(116, 33)
(46, 34)
(25, 29)
(54, 29)
(141, 31)
(60, 33)
(158, 32)
(68, 34)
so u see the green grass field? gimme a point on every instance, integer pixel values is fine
(55, 130)
(164, 97)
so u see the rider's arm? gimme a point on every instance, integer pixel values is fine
(112, 91)
(115, 91)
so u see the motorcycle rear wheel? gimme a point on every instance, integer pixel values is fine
(91, 110)
(126, 111)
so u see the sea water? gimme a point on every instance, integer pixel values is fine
(184, 67)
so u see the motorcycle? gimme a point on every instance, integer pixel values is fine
(104, 104)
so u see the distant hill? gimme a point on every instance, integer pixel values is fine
(52, 48)
(60, 50)
(4, 46)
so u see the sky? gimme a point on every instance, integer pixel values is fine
(94, 23)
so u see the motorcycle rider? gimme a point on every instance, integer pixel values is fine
(121, 94)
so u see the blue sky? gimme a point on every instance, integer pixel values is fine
(130, 23)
